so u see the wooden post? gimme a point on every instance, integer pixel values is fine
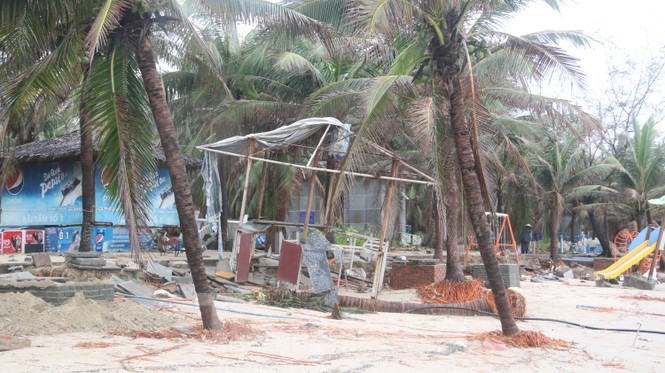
(381, 259)
(310, 197)
(262, 187)
(652, 267)
(243, 204)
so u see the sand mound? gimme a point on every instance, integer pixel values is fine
(25, 314)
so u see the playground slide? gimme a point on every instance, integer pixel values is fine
(622, 265)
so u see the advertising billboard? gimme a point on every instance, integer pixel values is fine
(43, 194)
(161, 196)
(62, 239)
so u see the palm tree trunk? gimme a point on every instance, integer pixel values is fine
(599, 232)
(87, 173)
(440, 224)
(555, 220)
(475, 204)
(648, 213)
(154, 86)
(452, 203)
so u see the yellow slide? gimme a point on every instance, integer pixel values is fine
(628, 260)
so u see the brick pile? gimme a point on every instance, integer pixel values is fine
(405, 276)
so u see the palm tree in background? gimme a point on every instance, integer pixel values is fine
(641, 171)
(118, 38)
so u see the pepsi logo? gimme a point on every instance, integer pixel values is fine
(15, 182)
(99, 238)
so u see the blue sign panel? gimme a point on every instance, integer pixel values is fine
(116, 239)
(161, 196)
(43, 194)
(62, 239)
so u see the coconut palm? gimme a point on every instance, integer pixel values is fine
(641, 170)
(121, 32)
(451, 27)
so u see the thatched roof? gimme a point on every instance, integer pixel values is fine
(68, 147)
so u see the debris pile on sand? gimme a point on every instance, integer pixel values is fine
(25, 314)
(523, 339)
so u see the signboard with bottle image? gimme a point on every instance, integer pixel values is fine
(161, 196)
(42, 194)
(12, 241)
(116, 239)
(62, 239)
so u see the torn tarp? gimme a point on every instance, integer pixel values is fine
(276, 138)
(314, 255)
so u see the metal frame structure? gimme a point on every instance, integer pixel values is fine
(253, 153)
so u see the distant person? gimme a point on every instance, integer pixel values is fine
(526, 235)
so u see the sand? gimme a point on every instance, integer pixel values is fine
(24, 314)
(298, 340)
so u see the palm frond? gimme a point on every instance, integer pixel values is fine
(106, 21)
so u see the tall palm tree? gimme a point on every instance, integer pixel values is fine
(121, 32)
(641, 170)
(448, 57)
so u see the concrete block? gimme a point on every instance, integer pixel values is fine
(41, 260)
(639, 282)
(89, 254)
(509, 272)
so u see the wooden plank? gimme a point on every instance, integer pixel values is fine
(289, 262)
(244, 257)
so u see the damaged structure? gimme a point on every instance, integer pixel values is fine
(322, 145)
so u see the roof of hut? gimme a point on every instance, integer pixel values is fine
(67, 147)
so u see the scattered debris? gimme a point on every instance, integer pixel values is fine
(523, 339)
(10, 342)
(95, 344)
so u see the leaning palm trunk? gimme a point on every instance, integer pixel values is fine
(181, 188)
(475, 204)
(376, 305)
(555, 219)
(451, 200)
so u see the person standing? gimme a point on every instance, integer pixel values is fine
(526, 235)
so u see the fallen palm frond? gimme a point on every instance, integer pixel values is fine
(290, 299)
(523, 339)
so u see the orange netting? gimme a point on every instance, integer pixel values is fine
(447, 291)
(645, 264)
(524, 338)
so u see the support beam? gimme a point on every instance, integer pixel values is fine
(382, 257)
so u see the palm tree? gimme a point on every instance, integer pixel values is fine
(447, 26)
(124, 29)
(641, 170)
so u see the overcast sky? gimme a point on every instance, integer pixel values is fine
(624, 29)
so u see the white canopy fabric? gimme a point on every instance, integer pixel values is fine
(276, 138)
